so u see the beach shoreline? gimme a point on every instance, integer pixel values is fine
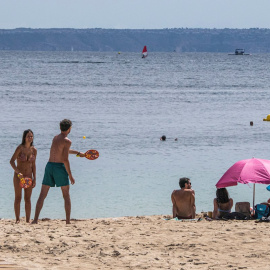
(142, 242)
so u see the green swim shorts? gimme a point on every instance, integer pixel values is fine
(55, 175)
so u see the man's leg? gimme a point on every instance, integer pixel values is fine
(65, 191)
(43, 194)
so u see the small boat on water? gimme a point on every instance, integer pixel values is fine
(239, 52)
(144, 52)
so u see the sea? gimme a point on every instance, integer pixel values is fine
(123, 104)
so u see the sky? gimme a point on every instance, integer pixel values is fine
(134, 14)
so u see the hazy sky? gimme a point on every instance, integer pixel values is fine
(134, 14)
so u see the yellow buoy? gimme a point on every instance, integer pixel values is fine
(84, 137)
(267, 118)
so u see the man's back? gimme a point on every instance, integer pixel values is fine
(59, 149)
(183, 203)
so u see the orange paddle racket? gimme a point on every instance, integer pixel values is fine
(91, 154)
(26, 182)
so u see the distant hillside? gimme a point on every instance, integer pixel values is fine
(253, 40)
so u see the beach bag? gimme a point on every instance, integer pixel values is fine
(234, 215)
(243, 207)
(261, 210)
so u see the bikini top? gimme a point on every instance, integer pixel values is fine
(224, 211)
(23, 157)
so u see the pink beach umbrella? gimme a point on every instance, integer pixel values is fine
(252, 170)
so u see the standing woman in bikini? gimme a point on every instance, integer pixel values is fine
(25, 157)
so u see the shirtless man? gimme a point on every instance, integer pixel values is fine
(57, 170)
(184, 200)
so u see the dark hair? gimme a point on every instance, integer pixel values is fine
(183, 181)
(65, 124)
(222, 195)
(24, 136)
(163, 138)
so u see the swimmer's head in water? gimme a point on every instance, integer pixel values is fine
(163, 138)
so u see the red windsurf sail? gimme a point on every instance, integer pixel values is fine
(144, 52)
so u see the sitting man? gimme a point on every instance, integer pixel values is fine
(183, 200)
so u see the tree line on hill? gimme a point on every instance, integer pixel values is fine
(253, 40)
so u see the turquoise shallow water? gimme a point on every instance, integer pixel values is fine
(123, 104)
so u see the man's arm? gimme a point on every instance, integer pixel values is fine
(75, 152)
(193, 207)
(66, 161)
(174, 208)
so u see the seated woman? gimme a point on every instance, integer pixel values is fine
(222, 203)
(266, 203)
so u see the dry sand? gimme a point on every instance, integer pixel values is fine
(147, 242)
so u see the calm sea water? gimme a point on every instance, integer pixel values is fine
(123, 104)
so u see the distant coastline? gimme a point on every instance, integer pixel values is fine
(253, 40)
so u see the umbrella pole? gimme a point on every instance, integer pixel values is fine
(253, 196)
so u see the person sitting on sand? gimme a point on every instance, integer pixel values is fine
(222, 203)
(183, 200)
(266, 203)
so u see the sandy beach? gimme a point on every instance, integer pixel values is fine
(146, 242)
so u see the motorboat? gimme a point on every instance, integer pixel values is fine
(239, 52)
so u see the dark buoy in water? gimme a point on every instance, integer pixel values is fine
(251, 123)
